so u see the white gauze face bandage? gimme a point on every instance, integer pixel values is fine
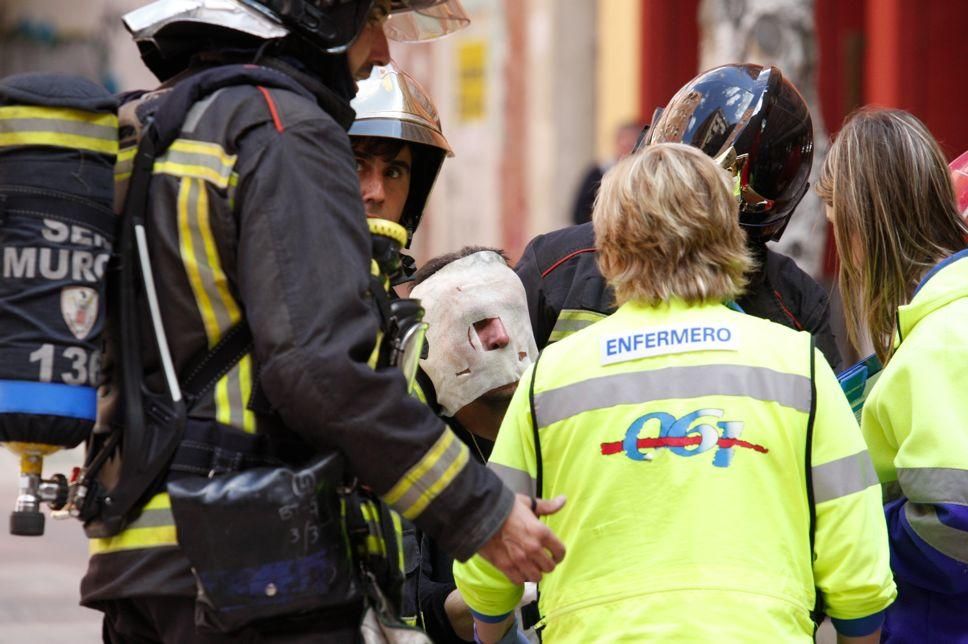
(471, 289)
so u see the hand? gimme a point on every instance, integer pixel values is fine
(524, 548)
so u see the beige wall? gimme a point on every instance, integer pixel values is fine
(519, 160)
(618, 70)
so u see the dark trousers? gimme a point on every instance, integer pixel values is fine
(171, 620)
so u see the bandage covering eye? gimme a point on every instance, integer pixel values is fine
(467, 291)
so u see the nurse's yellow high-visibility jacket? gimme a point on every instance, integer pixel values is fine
(914, 422)
(678, 434)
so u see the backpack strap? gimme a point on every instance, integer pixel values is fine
(155, 422)
(211, 367)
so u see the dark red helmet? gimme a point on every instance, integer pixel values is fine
(756, 124)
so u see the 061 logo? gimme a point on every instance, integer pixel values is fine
(690, 435)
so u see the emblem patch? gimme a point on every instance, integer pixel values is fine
(691, 435)
(79, 308)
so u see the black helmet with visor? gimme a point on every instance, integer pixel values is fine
(754, 122)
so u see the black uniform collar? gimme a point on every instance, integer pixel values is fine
(329, 100)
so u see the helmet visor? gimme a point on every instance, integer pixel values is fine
(421, 20)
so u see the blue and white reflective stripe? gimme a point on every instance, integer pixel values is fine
(50, 398)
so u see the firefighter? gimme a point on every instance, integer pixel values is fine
(252, 212)
(904, 277)
(751, 119)
(399, 148)
(716, 477)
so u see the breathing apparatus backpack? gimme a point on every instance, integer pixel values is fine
(58, 144)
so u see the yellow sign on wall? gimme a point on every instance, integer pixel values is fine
(472, 81)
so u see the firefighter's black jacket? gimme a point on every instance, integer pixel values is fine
(255, 211)
(566, 291)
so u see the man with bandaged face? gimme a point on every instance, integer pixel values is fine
(480, 342)
(480, 335)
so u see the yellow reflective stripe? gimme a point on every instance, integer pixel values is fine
(214, 263)
(418, 392)
(135, 538)
(374, 541)
(159, 501)
(581, 314)
(197, 160)
(233, 186)
(216, 305)
(571, 320)
(417, 471)
(223, 406)
(373, 546)
(61, 140)
(154, 528)
(398, 534)
(245, 383)
(205, 148)
(124, 163)
(190, 260)
(192, 171)
(59, 127)
(11, 112)
(449, 474)
(375, 356)
(423, 482)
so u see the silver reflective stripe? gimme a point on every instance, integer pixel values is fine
(854, 473)
(948, 541)
(519, 481)
(153, 519)
(423, 482)
(571, 320)
(573, 324)
(934, 484)
(60, 126)
(787, 389)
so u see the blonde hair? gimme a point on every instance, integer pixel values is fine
(893, 207)
(667, 225)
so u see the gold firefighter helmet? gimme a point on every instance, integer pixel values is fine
(390, 104)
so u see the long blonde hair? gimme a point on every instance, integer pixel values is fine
(893, 207)
(667, 225)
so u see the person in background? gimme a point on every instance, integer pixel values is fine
(717, 482)
(754, 122)
(904, 279)
(626, 135)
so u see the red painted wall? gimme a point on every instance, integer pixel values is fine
(670, 51)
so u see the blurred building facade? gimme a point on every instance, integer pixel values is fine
(530, 94)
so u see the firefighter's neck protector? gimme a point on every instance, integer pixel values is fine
(467, 291)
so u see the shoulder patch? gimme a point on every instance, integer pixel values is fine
(665, 340)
